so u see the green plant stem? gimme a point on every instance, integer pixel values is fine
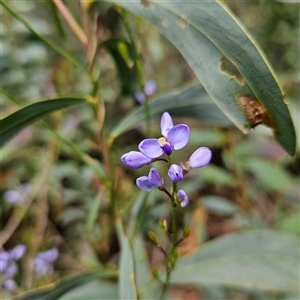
(174, 242)
(139, 68)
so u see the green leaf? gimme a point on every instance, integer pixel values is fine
(216, 175)
(219, 205)
(266, 260)
(270, 176)
(65, 285)
(290, 223)
(127, 289)
(190, 100)
(225, 60)
(93, 212)
(14, 123)
(123, 55)
(97, 289)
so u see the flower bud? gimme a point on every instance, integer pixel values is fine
(186, 231)
(175, 173)
(152, 236)
(135, 159)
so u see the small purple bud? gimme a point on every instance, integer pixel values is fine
(175, 173)
(9, 285)
(143, 184)
(13, 197)
(200, 158)
(135, 159)
(26, 188)
(150, 87)
(167, 149)
(154, 178)
(182, 196)
(139, 97)
(18, 252)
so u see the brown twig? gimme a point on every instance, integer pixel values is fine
(71, 21)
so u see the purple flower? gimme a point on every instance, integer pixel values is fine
(174, 137)
(146, 183)
(183, 198)
(139, 97)
(42, 267)
(49, 255)
(150, 87)
(175, 173)
(154, 178)
(18, 252)
(16, 197)
(9, 284)
(135, 159)
(143, 183)
(12, 269)
(200, 158)
(42, 262)
(13, 197)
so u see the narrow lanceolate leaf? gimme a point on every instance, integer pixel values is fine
(266, 260)
(127, 288)
(226, 61)
(14, 123)
(58, 289)
(189, 101)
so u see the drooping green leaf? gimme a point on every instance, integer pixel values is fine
(55, 291)
(127, 289)
(189, 101)
(226, 61)
(122, 53)
(266, 260)
(14, 123)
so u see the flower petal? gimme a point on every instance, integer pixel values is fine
(154, 178)
(150, 87)
(143, 183)
(200, 158)
(139, 97)
(151, 148)
(18, 252)
(166, 124)
(175, 173)
(183, 197)
(135, 159)
(179, 136)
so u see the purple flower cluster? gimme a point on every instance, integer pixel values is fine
(149, 89)
(173, 138)
(17, 197)
(9, 267)
(42, 263)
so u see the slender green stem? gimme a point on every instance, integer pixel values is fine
(49, 42)
(139, 68)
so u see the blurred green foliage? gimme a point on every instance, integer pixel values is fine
(80, 185)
